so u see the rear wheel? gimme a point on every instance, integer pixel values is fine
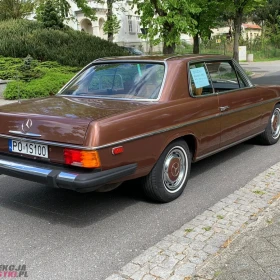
(169, 176)
(272, 132)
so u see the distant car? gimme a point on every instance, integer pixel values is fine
(133, 50)
(136, 117)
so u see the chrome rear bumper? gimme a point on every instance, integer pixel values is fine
(62, 177)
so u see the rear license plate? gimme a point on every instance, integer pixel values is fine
(28, 148)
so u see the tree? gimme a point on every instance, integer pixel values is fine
(15, 9)
(165, 21)
(63, 7)
(49, 15)
(112, 24)
(205, 20)
(268, 16)
(237, 10)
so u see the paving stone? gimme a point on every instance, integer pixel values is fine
(210, 249)
(201, 237)
(178, 248)
(130, 269)
(177, 277)
(115, 277)
(197, 245)
(185, 269)
(179, 256)
(163, 244)
(192, 234)
(252, 274)
(140, 274)
(169, 262)
(218, 240)
(149, 277)
(158, 259)
(195, 260)
(184, 240)
(201, 254)
(208, 233)
(142, 259)
(161, 272)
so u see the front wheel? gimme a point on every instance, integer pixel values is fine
(272, 132)
(169, 176)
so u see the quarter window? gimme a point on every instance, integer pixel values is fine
(223, 76)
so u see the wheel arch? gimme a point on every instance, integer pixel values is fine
(189, 138)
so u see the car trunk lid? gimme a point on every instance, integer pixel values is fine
(58, 119)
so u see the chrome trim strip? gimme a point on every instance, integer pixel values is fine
(67, 176)
(25, 168)
(155, 132)
(25, 134)
(228, 146)
(247, 107)
(113, 62)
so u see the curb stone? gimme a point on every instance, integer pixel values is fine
(182, 254)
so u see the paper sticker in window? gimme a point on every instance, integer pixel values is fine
(199, 77)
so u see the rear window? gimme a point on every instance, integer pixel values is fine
(118, 80)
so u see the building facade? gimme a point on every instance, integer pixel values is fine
(130, 27)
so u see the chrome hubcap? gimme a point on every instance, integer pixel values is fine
(175, 169)
(275, 123)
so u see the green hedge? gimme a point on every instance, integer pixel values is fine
(48, 85)
(20, 38)
(37, 80)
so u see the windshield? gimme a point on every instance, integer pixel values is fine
(118, 80)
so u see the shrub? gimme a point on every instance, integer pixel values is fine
(32, 78)
(20, 38)
(48, 85)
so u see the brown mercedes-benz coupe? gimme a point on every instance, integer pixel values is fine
(136, 117)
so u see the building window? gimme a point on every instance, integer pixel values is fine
(130, 29)
(138, 23)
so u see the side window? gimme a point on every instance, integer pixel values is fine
(199, 80)
(223, 76)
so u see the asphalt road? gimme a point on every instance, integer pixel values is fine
(61, 234)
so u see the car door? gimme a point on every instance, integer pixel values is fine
(239, 102)
(206, 109)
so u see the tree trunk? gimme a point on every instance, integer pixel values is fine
(109, 19)
(196, 44)
(237, 31)
(170, 49)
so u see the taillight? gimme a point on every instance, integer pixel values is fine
(89, 159)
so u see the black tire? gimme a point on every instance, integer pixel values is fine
(272, 132)
(165, 186)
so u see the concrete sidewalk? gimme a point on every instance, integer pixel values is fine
(254, 254)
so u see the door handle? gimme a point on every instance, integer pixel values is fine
(224, 108)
